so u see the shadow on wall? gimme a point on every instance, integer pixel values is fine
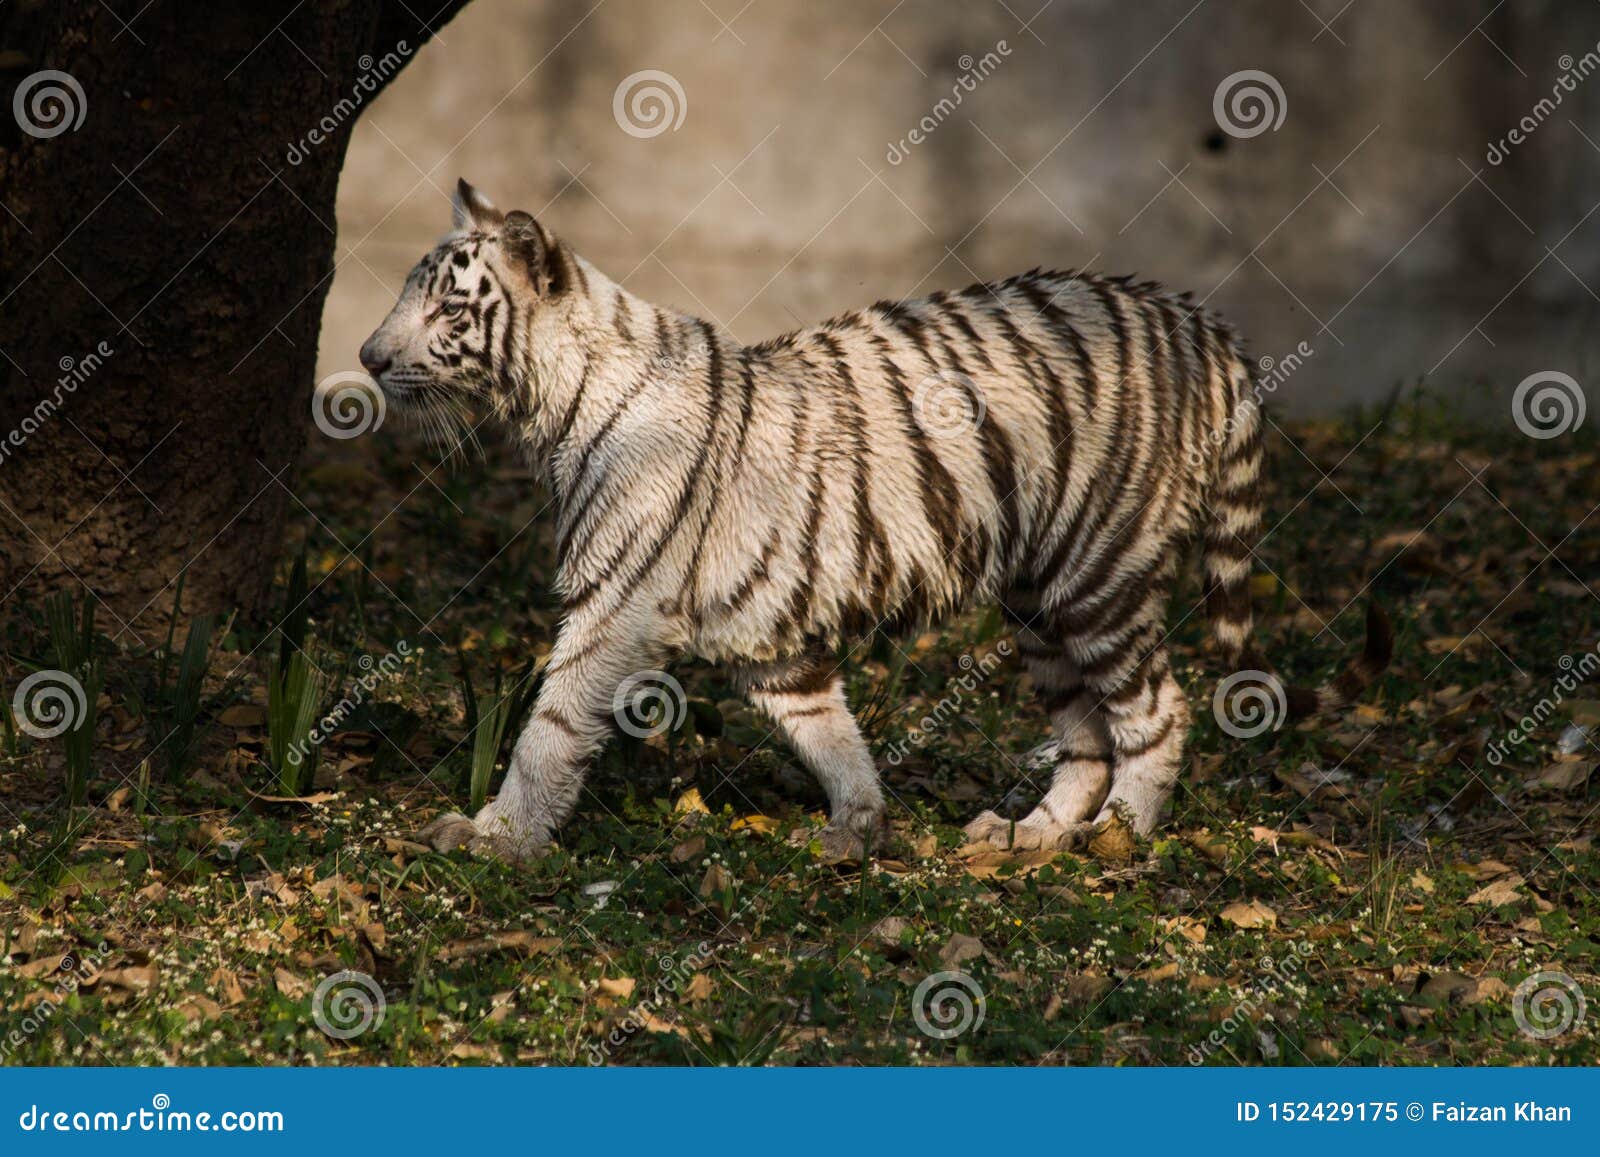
(1389, 193)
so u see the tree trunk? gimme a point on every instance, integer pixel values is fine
(166, 243)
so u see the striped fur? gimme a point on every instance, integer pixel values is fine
(1048, 442)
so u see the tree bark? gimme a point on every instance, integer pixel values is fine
(163, 265)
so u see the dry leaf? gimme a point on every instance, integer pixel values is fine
(716, 882)
(690, 803)
(959, 949)
(227, 983)
(1499, 891)
(698, 989)
(243, 715)
(620, 987)
(1563, 775)
(1112, 842)
(691, 849)
(766, 825)
(139, 980)
(289, 984)
(518, 940)
(1251, 914)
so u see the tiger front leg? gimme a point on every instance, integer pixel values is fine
(804, 696)
(591, 677)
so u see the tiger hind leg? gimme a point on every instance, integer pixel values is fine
(1082, 741)
(1148, 721)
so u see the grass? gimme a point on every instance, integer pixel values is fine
(1370, 889)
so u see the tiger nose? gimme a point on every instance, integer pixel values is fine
(373, 361)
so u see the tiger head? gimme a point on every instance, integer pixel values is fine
(485, 290)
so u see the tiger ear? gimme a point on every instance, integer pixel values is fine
(472, 210)
(537, 249)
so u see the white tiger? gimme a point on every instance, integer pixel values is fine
(1048, 443)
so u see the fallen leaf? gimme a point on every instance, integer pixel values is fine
(227, 983)
(691, 849)
(1112, 842)
(243, 715)
(698, 989)
(519, 940)
(289, 984)
(1502, 890)
(1251, 914)
(959, 949)
(1563, 775)
(198, 1009)
(690, 803)
(716, 882)
(620, 987)
(766, 825)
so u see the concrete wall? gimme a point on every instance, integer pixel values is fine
(1369, 225)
